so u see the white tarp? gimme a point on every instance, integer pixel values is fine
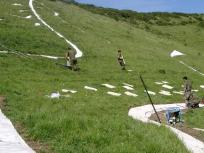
(56, 14)
(165, 93)
(202, 86)
(176, 53)
(178, 92)
(151, 92)
(128, 88)
(108, 85)
(130, 94)
(10, 140)
(68, 90)
(159, 83)
(37, 24)
(113, 93)
(90, 88)
(17, 4)
(127, 84)
(167, 86)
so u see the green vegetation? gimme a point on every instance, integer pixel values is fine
(138, 19)
(88, 121)
(194, 118)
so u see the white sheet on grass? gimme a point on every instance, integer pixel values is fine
(108, 85)
(176, 53)
(113, 93)
(128, 88)
(17, 4)
(167, 86)
(166, 93)
(54, 95)
(22, 11)
(10, 140)
(28, 17)
(130, 94)
(195, 90)
(70, 91)
(4, 52)
(165, 82)
(151, 92)
(178, 92)
(126, 84)
(202, 86)
(56, 14)
(90, 88)
(37, 24)
(159, 83)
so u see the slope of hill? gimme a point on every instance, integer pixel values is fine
(91, 121)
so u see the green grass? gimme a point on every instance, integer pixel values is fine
(194, 118)
(90, 121)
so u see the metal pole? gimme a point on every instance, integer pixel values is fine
(150, 99)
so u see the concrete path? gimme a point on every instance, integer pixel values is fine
(143, 113)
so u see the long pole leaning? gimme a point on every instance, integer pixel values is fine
(150, 98)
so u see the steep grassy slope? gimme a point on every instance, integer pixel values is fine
(87, 121)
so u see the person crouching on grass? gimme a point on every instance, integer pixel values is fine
(121, 60)
(71, 59)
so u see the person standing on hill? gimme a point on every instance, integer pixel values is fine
(188, 95)
(71, 59)
(121, 60)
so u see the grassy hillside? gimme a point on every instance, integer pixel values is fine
(91, 121)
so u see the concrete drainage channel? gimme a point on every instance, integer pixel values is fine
(142, 113)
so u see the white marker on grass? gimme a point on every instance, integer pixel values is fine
(130, 94)
(113, 93)
(17, 4)
(37, 24)
(67, 90)
(108, 85)
(128, 88)
(126, 84)
(167, 86)
(165, 82)
(159, 83)
(56, 14)
(176, 53)
(202, 86)
(28, 17)
(165, 93)
(90, 88)
(178, 92)
(150, 92)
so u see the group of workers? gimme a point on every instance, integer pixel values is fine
(188, 95)
(71, 59)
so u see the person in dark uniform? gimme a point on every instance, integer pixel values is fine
(121, 60)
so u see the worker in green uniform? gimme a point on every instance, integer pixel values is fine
(121, 60)
(188, 95)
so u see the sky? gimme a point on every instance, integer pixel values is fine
(184, 6)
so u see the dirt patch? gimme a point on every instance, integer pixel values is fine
(35, 145)
(180, 126)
